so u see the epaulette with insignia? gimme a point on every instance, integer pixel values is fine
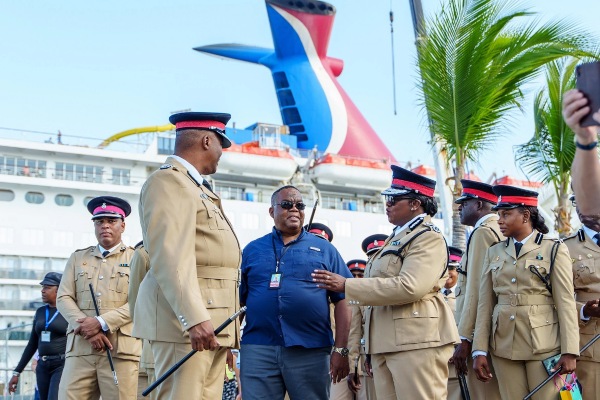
(166, 166)
(140, 244)
(85, 248)
(433, 227)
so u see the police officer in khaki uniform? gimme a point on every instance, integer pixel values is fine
(526, 309)
(409, 330)
(191, 287)
(87, 373)
(475, 209)
(363, 383)
(140, 264)
(585, 255)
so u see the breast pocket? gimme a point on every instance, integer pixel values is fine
(496, 269)
(216, 220)
(585, 272)
(119, 280)
(535, 269)
(304, 262)
(82, 280)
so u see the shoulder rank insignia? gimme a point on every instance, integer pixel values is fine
(166, 166)
(433, 227)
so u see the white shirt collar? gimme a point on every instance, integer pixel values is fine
(591, 233)
(483, 219)
(191, 169)
(102, 249)
(526, 239)
(399, 229)
(451, 288)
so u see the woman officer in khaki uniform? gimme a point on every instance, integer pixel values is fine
(526, 309)
(409, 329)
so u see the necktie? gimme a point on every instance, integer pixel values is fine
(597, 238)
(447, 291)
(518, 248)
(105, 253)
(207, 185)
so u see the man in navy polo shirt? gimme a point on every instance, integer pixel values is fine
(287, 342)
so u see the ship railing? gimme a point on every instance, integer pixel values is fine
(26, 387)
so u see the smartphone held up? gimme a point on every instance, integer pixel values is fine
(588, 82)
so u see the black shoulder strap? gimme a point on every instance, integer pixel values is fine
(398, 252)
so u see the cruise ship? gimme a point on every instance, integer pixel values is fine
(325, 147)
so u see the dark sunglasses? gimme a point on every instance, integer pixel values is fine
(288, 205)
(391, 200)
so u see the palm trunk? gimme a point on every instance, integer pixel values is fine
(458, 229)
(562, 213)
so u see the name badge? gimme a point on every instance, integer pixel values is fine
(275, 281)
(45, 336)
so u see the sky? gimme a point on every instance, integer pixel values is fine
(92, 69)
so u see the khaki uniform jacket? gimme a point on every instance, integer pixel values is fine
(585, 255)
(194, 259)
(467, 288)
(406, 310)
(518, 318)
(140, 264)
(110, 279)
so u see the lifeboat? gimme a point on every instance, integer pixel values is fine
(351, 172)
(255, 162)
(509, 180)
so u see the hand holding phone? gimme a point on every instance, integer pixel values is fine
(588, 82)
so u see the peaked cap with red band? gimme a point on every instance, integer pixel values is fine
(513, 197)
(357, 265)
(455, 254)
(476, 190)
(321, 230)
(372, 243)
(108, 207)
(405, 181)
(203, 120)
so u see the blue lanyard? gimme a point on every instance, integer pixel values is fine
(47, 315)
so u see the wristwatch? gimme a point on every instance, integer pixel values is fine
(15, 373)
(343, 351)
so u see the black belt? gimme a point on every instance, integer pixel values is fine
(54, 357)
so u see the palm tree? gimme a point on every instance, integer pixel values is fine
(473, 62)
(548, 155)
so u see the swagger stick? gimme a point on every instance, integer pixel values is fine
(179, 363)
(464, 389)
(110, 359)
(312, 215)
(548, 379)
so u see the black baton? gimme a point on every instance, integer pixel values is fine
(312, 215)
(548, 379)
(110, 360)
(179, 363)
(462, 382)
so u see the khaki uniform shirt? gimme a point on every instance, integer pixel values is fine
(517, 317)
(110, 279)
(356, 336)
(406, 310)
(467, 291)
(194, 259)
(585, 255)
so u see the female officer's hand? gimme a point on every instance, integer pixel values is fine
(568, 362)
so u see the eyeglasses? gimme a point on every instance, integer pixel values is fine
(111, 221)
(288, 205)
(391, 200)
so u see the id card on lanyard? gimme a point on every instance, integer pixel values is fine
(275, 281)
(46, 333)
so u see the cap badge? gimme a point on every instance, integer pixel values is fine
(103, 205)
